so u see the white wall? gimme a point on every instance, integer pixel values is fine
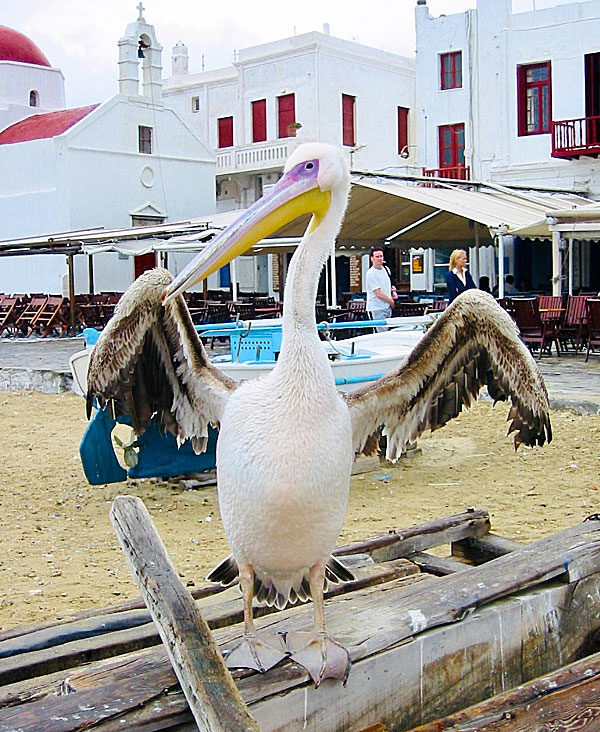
(17, 80)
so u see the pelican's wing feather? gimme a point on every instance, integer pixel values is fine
(149, 360)
(473, 344)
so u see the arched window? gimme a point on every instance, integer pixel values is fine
(34, 98)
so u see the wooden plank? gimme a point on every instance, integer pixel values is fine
(446, 663)
(403, 542)
(480, 549)
(41, 653)
(209, 689)
(566, 699)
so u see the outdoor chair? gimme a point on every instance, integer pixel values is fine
(534, 332)
(573, 328)
(52, 317)
(593, 322)
(8, 313)
(551, 307)
(26, 320)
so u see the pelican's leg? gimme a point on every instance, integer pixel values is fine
(321, 656)
(252, 651)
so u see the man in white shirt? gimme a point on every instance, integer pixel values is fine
(380, 291)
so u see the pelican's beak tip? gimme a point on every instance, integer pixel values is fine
(163, 296)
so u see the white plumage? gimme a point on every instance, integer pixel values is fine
(287, 441)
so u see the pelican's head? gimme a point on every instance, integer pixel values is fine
(313, 174)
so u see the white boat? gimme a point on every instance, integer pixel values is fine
(254, 347)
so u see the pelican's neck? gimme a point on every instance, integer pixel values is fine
(299, 322)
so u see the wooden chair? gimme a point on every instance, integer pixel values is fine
(52, 317)
(573, 328)
(592, 306)
(552, 304)
(8, 313)
(534, 332)
(243, 311)
(26, 319)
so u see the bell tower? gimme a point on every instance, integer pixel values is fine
(139, 48)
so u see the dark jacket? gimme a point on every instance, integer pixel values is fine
(455, 286)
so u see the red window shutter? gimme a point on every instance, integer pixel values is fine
(286, 113)
(348, 120)
(143, 262)
(259, 120)
(402, 129)
(452, 145)
(451, 70)
(225, 132)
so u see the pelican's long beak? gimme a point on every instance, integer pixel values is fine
(296, 193)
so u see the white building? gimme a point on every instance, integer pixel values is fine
(131, 160)
(513, 98)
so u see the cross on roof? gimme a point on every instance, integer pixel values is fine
(141, 9)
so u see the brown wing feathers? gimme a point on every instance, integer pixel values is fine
(149, 360)
(474, 344)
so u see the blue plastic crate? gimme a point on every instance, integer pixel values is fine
(260, 345)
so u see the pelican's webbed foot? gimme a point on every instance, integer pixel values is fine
(320, 655)
(257, 651)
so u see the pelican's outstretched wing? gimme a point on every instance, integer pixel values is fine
(150, 360)
(474, 343)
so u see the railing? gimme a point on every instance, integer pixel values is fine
(458, 172)
(572, 138)
(257, 156)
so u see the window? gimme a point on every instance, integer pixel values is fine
(534, 98)
(225, 132)
(195, 104)
(403, 131)
(348, 104)
(34, 98)
(451, 70)
(259, 120)
(145, 139)
(286, 115)
(225, 276)
(452, 145)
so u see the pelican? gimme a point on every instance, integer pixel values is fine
(288, 439)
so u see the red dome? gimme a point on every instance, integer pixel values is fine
(14, 46)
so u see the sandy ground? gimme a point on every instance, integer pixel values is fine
(59, 553)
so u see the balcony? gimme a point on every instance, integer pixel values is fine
(258, 156)
(574, 138)
(458, 172)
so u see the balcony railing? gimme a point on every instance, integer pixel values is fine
(257, 156)
(572, 138)
(458, 172)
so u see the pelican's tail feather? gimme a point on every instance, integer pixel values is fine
(225, 572)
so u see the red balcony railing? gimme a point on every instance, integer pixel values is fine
(572, 138)
(459, 172)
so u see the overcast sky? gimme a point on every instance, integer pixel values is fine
(80, 36)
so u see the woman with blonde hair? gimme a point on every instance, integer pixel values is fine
(458, 279)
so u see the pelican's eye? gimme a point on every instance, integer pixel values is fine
(309, 166)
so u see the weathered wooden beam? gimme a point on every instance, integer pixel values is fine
(403, 542)
(93, 639)
(564, 700)
(480, 549)
(198, 664)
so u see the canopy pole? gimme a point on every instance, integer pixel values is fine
(333, 277)
(501, 233)
(570, 265)
(72, 294)
(234, 284)
(90, 274)
(477, 262)
(556, 263)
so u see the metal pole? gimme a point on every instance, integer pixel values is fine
(500, 264)
(234, 284)
(72, 294)
(333, 277)
(570, 265)
(556, 263)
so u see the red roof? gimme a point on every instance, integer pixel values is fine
(39, 126)
(15, 46)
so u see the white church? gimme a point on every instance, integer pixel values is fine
(128, 161)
